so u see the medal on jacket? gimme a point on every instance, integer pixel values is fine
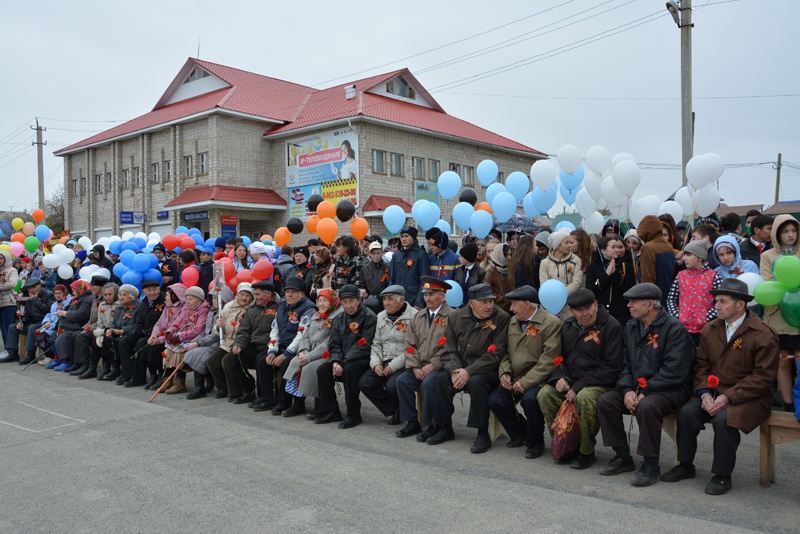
(489, 324)
(652, 339)
(532, 331)
(401, 326)
(594, 335)
(293, 317)
(438, 321)
(354, 327)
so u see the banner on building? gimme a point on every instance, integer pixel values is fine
(426, 191)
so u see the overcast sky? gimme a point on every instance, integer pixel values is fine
(83, 66)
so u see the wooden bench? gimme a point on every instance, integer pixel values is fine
(781, 427)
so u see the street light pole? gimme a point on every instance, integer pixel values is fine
(683, 18)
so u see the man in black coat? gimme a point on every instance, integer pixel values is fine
(36, 304)
(469, 274)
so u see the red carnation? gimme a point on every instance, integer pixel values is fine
(411, 350)
(326, 355)
(88, 328)
(558, 360)
(273, 341)
(442, 341)
(60, 330)
(308, 265)
(164, 354)
(492, 348)
(642, 382)
(713, 381)
(301, 329)
(362, 341)
(161, 334)
(233, 323)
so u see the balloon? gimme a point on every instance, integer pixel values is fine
(170, 241)
(706, 200)
(544, 200)
(415, 208)
(753, 280)
(483, 206)
(42, 232)
(18, 237)
(197, 238)
(86, 273)
(154, 236)
(127, 236)
(208, 243)
(313, 202)
(627, 176)
(481, 223)
(504, 206)
(326, 210)
(263, 269)
(593, 185)
(190, 277)
(229, 270)
(16, 248)
(31, 243)
(141, 263)
(572, 181)
(622, 156)
(141, 243)
(487, 172)
(194, 231)
(51, 261)
(67, 255)
(85, 242)
(518, 185)
(584, 203)
(790, 307)
(716, 162)
(611, 194)
(247, 241)
(444, 226)
(345, 210)
(65, 271)
(28, 228)
(449, 183)
(469, 196)
(327, 230)
(672, 208)
(565, 224)
(152, 274)
(543, 174)
(553, 296)
(5, 246)
(126, 258)
(359, 228)
(594, 223)
(130, 245)
(700, 172)
(17, 224)
(569, 158)
(115, 247)
(119, 270)
(295, 225)
(529, 207)
(769, 293)
(787, 270)
(461, 214)
(684, 198)
(282, 236)
(63, 240)
(492, 192)
(455, 295)
(567, 195)
(187, 242)
(598, 159)
(428, 215)
(641, 208)
(245, 275)
(394, 218)
(311, 224)
(135, 279)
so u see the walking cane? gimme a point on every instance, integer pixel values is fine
(38, 358)
(167, 381)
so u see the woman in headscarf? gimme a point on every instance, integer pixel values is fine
(184, 329)
(70, 320)
(496, 275)
(229, 321)
(173, 299)
(610, 275)
(200, 349)
(321, 275)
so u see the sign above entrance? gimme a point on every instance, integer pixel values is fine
(195, 216)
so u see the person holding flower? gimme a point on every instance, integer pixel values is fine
(655, 381)
(736, 365)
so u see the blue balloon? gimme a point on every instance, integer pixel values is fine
(211, 243)
(141, 243)
(119, 270)
(394, 218)
(455, 295)
(141, 263)
(504, 206)
(177, 250)
(129, 246)
(153, 261)
(493, 190)
(518, 185)
(415, 208)
(461, 214)
(42, 232)
(527, 205)
(126, 258)
(487, 172)
(544, 200)
(444, 226)
(113, 247)
(571, 181)
(567, 195)
(481, 223)
(449, 184)
(181, 230)
(198, 239)
(565, 224)
(132, 277)
(553, 296)
(428, 215)
(246, 241)
(194, 232)
(152, 274)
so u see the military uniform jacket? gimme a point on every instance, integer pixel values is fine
(531, 350)
(424, 337)
(256, 325)
(389, 345)
(468, 340)
(351, 335)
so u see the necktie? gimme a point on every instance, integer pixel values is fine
(522, 325)
(430, 318)
(466, 277)
(760, 248)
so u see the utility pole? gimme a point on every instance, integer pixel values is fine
(682, 15)
(778, 179)
(40, 160)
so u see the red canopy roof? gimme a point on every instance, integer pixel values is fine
(380, 203)
(227, 194)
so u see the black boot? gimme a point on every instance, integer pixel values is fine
(80, 370)
(11, 356)
(209, 382)
(114, 374)
(298, 407)
(29, 358)
(284, 404)
(104, 370)
(199, 390)
(91, 370)
(72, 368)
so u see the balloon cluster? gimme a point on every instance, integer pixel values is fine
(28, 236)
(322, 222)
(784, 290)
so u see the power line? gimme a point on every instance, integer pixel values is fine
(31, 149)
(611, 98)
(14, 133)
(69, 120)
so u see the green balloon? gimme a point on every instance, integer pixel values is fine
(790, 307)
(769, 293)
(31, 243)
(18, 287)
(787, 270)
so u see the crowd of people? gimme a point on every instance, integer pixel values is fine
(655, 323)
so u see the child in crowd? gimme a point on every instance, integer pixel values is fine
(731, 264)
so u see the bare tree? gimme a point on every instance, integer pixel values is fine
(54, 211)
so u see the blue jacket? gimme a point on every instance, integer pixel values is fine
(444, 265)
(739, 266)
(408, 265)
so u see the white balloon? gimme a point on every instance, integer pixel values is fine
(154, 236)
(706, 200)
(700, 171)
(594, 223)
(684, 197)
(653, 200)
(622, 156)
(717, 163)
(66, 256)
(543, 174)
(51, 261)
(641, 208)
(613, 196)
(569, 158)
(103, 272)
(153, 242)
(585, 204)
(104, 241)
(127, 235)
(673, 208)
(627, 176)
(85, 273)
(85, 242)
(114, 238)
(598, 159)
(593, 183)
(58, 249)
(65, 272)
(140, 235)
(752, 280)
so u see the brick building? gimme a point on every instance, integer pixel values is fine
(232, 152)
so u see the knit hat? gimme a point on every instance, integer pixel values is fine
(219, 242)
(130, 290)
(542, 238)
(697, 248)
(556, 238)
(410, 230)
(304, 251)
(195, 292)
(60, 287)
(245, 286)
(257, 248)
(469, 252)
(631, 234)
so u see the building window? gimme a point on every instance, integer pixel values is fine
(400, 87)
(126, 177)
(83, 186)
(155, 174)
(434, 169)
(455, 167)
(98, 183)
(196, 74)
(108, 181)
(74, 188)
(167, 171)
(469, 175)
(137, 180)
(379, 161)
(204, 162)
(397, 164)
(418, 168)
(188, 169)
(501, 177)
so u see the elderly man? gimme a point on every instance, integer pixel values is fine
(387, 360)
(81, 342)
(475, 340)
(423, 360)
(408, 265)
(654, 382)
(36, 304)
(737, 362)
(534, 341)
(591, 342)
(349, 346)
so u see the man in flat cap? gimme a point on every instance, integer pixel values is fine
(591, 345)
(423, 360)
(736, 365)
(534, 341)
(408, 265)
(349, 347)
(654, 382)
(81, 342)
(148, 357)
(36, 303)
(443, 261)
(475, 340)
(469, 273)
(387, 359)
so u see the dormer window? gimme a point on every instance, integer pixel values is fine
(400, 87)
(196, 74)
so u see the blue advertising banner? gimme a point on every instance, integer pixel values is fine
(126, 217)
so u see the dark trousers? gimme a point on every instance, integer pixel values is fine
(478, 386)
(126, 347)
(229, 363)
(83, 346)
(691, 420)
(268, 384)
(381, 391)
(13, 338)
(650, 413)
(240, 364)
(64, 345)
(214, 365)
(110, 350)
(7, 315)
(503, 404)
(351, 374)
(407, 386)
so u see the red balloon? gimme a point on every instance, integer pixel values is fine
(263, 269)
(229, 270)
(170, 241)
(187, 242)
(233, 285)
(244, 276)
(190, 277)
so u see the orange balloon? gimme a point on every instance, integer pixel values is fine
(311, 224)
(18, 237)
(282, 236)
(63, 240)
(359, 228)
(327, 230)
(484, 206)
(38, 215)
(326, 210)
(28, 228)
(266, 236)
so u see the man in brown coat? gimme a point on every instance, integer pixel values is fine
(736, 365)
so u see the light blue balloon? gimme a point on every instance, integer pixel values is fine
(553, 296)
(181, 230)
(565, 224)
(152, 274)
(504, 206)
(132, 277)
(210, 243)
(487, 172)
(481, 223)
(141, 243)
(126, 258)
(449, 184)
(428, 215)
(544, 200)
(455, 295)
(394, 218)
(129, 245)
(246, 241)
(571, 181)
(527, 205)
(195, 231)
(415, 208)
(493, 190)
(518, 185)
(114, 247)
(567, 195)
(119, 270)
(42, 232)
(153, 261)
(198, 239)
(141, 263)
(461, 214)
(444, 226)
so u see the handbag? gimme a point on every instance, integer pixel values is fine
(566, 430)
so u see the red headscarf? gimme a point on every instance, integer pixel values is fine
(80, 287)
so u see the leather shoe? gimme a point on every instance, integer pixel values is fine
(679, 472)
(481, 445)
(618, 465)
(411, 428)
(516, 442)
(445, 433)
(120, 380)
(244, 398)
(221, 395)
(296, 408)
(132, 383)
(331, 417)
(255, 401)
(719, 485)
(350, 422)
(80, 370)
(422, 438)
(263, 405)
(395, 420)
(27, 359)
(279, 408)
(569, 457)
(534, 452)
(8, 357)
(584, 461)
(646, 476)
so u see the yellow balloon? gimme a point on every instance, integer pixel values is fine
(17, 224)
(5, 247)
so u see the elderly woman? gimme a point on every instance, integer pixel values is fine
(173, 301)
(70, 320)
(203, 346)
(311, 346)
(105, 316)
(189, 324)
(125, 331)
(229, 321)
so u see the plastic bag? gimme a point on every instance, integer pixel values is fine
(566, 431)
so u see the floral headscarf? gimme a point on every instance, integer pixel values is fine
(333, 298)
(80, 287)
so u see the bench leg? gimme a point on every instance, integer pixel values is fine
(766, 457)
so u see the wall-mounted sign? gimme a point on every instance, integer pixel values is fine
(195, 216)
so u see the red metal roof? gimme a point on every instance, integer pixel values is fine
(380, 203)
(222, 193)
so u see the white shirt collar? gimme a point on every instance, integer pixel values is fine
(731, 328)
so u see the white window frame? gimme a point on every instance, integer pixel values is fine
(167, 170)
(155, 173)
(126, 176)
(203, 162)
(396, 164)
(98, 183)
(378, 161)
(137, 177)
(418, 162)
(433, 165)
(188, 166)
